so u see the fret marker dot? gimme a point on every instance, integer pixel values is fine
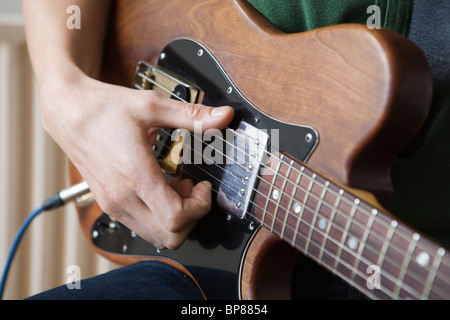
(322, 224)
(423, 259)
(297, 208)
(275, 194)
(352, 243)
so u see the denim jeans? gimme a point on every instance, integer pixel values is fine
(153, 280)
(147, 280)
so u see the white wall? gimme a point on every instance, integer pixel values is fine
(32, 168)
(10, 6)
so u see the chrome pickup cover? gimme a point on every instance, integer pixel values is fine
(246, 150)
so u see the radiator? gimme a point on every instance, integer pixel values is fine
(32, 168)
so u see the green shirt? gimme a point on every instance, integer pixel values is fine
(303, 15)
(421, 181)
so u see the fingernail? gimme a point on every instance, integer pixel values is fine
(207, 183)
(219, 111)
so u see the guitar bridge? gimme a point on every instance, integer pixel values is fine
(148, 77)
(168, 149)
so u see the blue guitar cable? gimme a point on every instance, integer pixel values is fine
(58, 200)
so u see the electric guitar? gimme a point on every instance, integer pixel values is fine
(319, 116)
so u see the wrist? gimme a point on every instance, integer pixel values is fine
(64, 101)
(61, 78)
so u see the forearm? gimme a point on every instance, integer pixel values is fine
(108, 131)
(56, 51)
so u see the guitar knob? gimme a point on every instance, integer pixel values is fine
(181, 93)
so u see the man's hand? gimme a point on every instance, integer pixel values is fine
(108, 131)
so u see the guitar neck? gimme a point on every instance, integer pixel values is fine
(367, 248)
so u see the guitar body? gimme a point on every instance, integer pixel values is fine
(361, 95)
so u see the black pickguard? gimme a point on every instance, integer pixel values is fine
(214, 250)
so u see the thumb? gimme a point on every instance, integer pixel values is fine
(199, 199)
(171, 113)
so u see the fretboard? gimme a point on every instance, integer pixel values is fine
(370, 250)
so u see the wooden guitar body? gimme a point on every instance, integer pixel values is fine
(363, 94)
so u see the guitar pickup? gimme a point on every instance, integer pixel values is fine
(148, 77)
(244, 159)
(167, 150)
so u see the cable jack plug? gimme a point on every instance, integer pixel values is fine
(66, 195)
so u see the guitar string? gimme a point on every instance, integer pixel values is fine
(368, 214)
(362, 210)
(399, 232)
(356, 256)
(335, 271)
(380, 237)
(355, 272)
(318, 183)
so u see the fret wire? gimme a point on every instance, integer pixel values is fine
(385, 246)
(336, 211)
(344, 199)
(365, 237)
(388, 276)
(347, 226)
(299, 217)
(370, 247)
(432, 273)
(405, 264)
(351, 252)
(362, 259)
(316, 213)
(302, 171)
(311, 183)
(181, 99)
(331, 219)
(279, 198)
(369, 293)
(288, 210)
(270, 191)
(362, 211)
(361, 288)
